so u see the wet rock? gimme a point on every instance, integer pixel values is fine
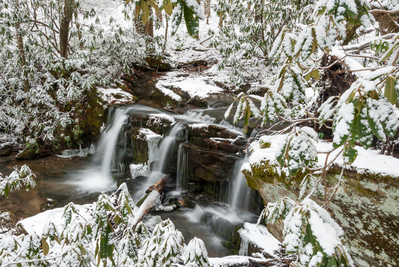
(48, 204)
(158, 64)
(224, 229)
(136, 147)
(6, 151)
(216, 137)
(211, 131)
(32, 153)
(208, 165)
(143, 86)
(157, 124)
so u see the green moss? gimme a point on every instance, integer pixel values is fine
(264, 144)
(164, 100)
(138, 145)
(208, 190)
(266, 172)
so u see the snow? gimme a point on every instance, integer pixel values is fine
(194, 85)
(259, 236)
(108, 95)
(367, 160)
(150, 135)
(152, 142)
(147, 204)
(198, 126)
(156, 118)
(137, 170)
(34, 225)
(160, 86)
(81, 152)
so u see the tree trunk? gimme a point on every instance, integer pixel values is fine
(148, 202)
(207, 8)
(21, 50)
(64, 27)
(149, 26)
(350, 33)
(159, 185)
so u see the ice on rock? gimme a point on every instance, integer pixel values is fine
(137, 170)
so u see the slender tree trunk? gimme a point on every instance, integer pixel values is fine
(21, 50)
(64, 27)
(166, 34)
(149, 26)
(207, 8)
(159, 15)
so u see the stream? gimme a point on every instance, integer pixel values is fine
(61, 180)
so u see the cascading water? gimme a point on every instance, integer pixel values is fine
(101, 179)
(239, 190)
(168, 145)
(163, 158)
(109, 139)
(182, 168)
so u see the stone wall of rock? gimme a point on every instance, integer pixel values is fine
(366, 206)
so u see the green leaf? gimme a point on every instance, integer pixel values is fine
(167, 6)
(315, 74)
(389, 52)
(192, 21)
(247, 115)
(350, 154)
(361, 127)
(176, 19)
(390, 92)
(307, 77)
(281, 82)
(146, 11)
(45, 246)
(154, 5)
(137, 11)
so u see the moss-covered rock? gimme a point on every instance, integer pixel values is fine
(137, 145)
(365, 206)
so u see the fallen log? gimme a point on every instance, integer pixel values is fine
(153, 193)
(160, 184)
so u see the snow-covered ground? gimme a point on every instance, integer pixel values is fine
(367, 160)
(180, 49)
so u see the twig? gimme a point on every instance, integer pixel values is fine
(30, 261)
(206, 39)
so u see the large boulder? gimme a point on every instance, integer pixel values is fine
(365, 206)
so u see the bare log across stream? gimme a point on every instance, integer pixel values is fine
(153, 192)
(160, 184)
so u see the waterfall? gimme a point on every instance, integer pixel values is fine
(182, 168)
(109, 139)
(100, 179)
(165, 151)
(167, 147)
(240, 192)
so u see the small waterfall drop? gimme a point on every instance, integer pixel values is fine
(240, 192)
(100, 179)
(109, 139)
(168, 145)
(182, 168)
(164, 158)
(239, 189)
